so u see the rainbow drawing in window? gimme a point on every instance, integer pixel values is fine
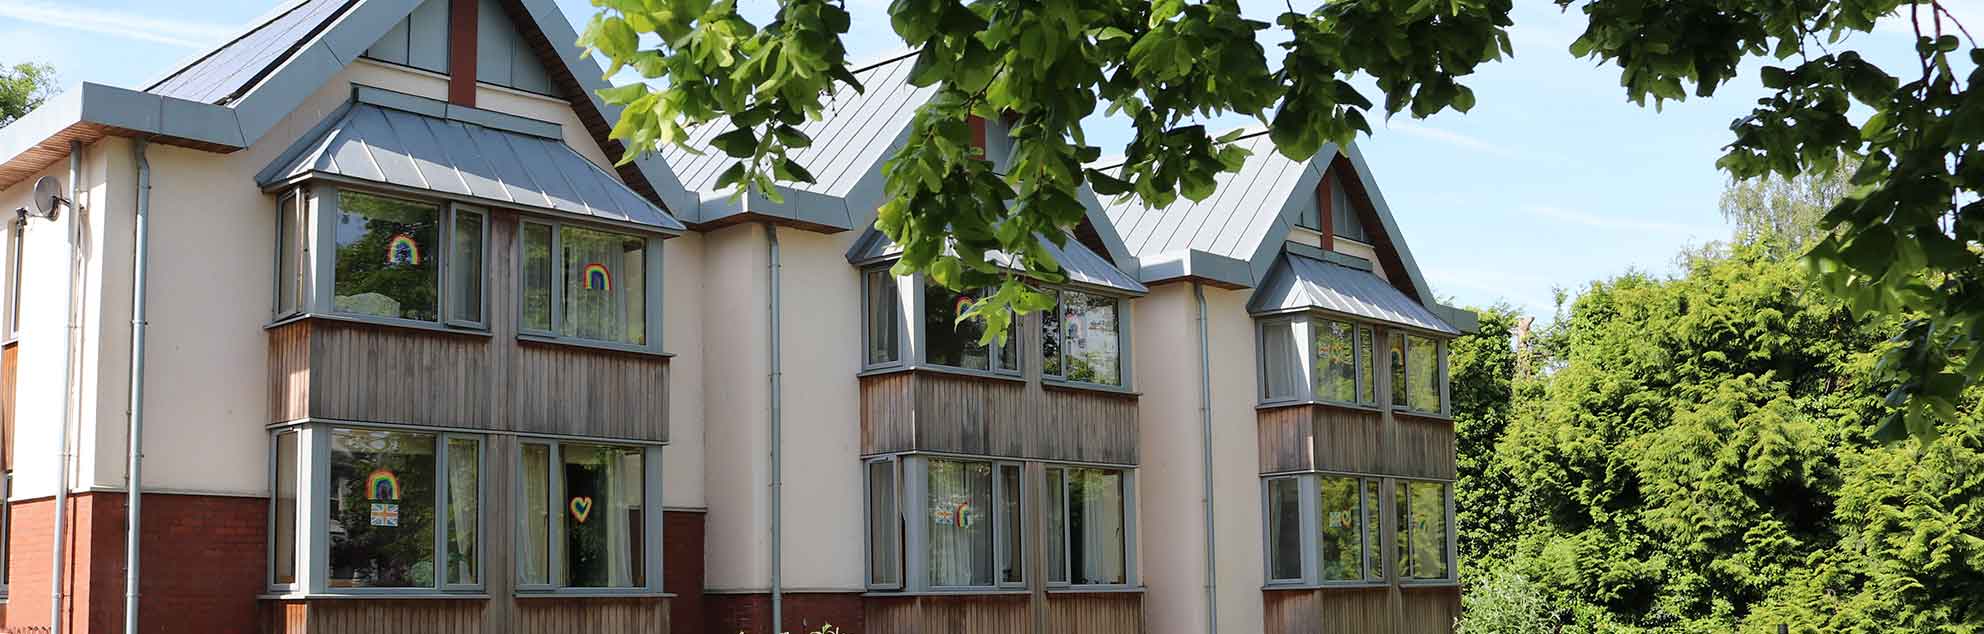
(964, 303)
(381, 484)
(402, 250)
(595, 277)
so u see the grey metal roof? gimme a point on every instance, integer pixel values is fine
(233, 67)
(1082, 265)
(458, 158)
(1234, 222)
(1301, 283)
(848, 143)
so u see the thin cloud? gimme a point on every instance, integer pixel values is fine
(1612, 222)
(1457, 139)
(118, 23)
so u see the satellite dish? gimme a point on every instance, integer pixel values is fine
(48, 196)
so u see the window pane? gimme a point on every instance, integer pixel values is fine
(387, 251)
(1422, 373)
(1009, 353)
(289, 257)
(946, 341)
(465, 269)
(285, 508)
(382, 509)
(960, 535)
(1429, 530)
(537, 277)
(464, 510)
(534, 546)
(605, 287)
(1284, 528)
(1281, 361)
(1095, 526)
(1367, 360)
(1050, 337)
(1373, 553)
(605, 528)
(883, 329)
(1089, 323)
(1012, 563)
(1056, 506)
(1402, 506)
(1342, 529)
(884, 524)
(1398, 370)
(1336, 356)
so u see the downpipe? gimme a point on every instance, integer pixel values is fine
(133, 486)
(1205, 432)
(69, 384)
(777, 439)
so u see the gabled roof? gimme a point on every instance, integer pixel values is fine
(1301, 283)
(1084, 267)
(227, 98)
(412, 143)
(859, 131)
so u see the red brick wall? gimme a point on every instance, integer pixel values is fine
(804, 613)
(682, 569)
(204, 563)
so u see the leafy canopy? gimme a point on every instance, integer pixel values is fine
(1901, 241)
(22, 89)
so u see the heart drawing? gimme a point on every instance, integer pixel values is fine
(581, 508)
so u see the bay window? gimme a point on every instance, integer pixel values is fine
(588, 284)
(1081, 338)
(358, 510)
(1418, 373)
(587, 520)
(950, 342)
(1328, 529)
(383, 258)
(958, 524)
(1313, 359)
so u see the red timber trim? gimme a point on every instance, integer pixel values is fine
(682, 569)
(978, 134)
(804, 612)
(1325, 214)
(461, 52)
(205, 559)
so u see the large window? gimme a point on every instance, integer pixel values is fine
(882, 314)
(388, 261)
(382, 511)
(1327, 529)
(1422, 535)
(389, 258)
(585, 283)
(947, 524)
(1418, 373)
(1081, 338)
(950, 342)
(1311, 358)
(585, 520)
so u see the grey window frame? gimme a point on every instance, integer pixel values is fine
(1130, 531)
(275, 477)
(1440, 378)
(1123, 359)
(1312, 518)
(320, 206)
(1305, 503)
(868, 526)
(1298, 329)
(1304, 325)
(868, 279)
(912, 486)
(921, 342)
(6, 531)
(454, 212)
(651, 280)
(313, 456)
(651, 514)
(304, 251)
(1002, 544)
(1452, 546)
(17, 230)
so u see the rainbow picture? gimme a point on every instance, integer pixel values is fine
(401, 249)
(381, 484)
(964, 303)
(596, 277)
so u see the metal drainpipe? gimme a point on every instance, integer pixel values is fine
(133, 487)
(777, 440)
(1205, 416)
(68, 384)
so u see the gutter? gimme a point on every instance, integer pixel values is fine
(1205, 432)
(777, 439)
(133, 486)
(69, 383)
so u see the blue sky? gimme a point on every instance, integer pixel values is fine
(1553, 180)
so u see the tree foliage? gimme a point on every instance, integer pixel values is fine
(1901, 241)
(22, 89)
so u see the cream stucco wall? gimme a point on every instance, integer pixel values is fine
(1172, 498)
(735, 402)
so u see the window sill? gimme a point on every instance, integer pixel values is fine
(1052, 383)
(1096, 590)
(943, 369)
(1419, 414)
(1428, 583)
(1338, 585)
(404, 324)
(377, 594)
(959, 592)
(593, 593)
(1278, 404)
(591, 345)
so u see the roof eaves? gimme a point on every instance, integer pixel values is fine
(94, 110)
(811, 209)
(1194, 264)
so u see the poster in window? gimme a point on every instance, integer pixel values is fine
(382, 488)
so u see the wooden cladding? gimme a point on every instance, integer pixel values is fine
(1060, 613)
(331, 369)
(527, 615)
(1318, 437)
(1377, 610)
(943, 412)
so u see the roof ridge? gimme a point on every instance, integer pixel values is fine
(884, 60)
(252, 26)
